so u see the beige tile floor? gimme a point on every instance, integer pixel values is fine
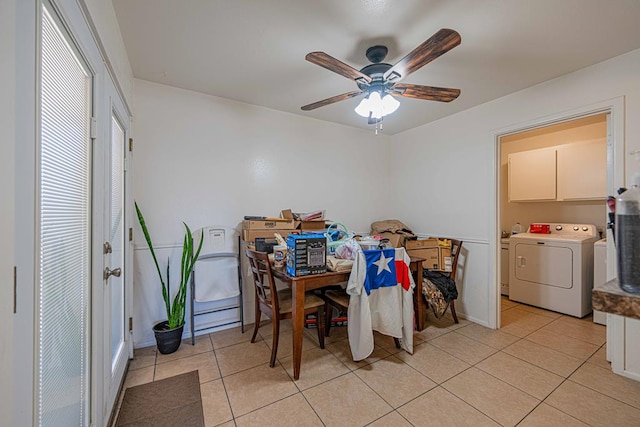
(542, 368)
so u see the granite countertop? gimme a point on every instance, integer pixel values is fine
(609, 298)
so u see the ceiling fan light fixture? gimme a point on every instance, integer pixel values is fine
(389, 104)
(377, 107)
(362, 109)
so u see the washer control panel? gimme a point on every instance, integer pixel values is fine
(581, 230)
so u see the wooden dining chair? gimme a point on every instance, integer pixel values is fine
(277, 305)
(456, 246)
(339, 300)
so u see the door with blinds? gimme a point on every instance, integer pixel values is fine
(82, 334)
(65, 229)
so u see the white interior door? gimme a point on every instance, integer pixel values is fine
(117, 289)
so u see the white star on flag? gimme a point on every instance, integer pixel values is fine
(383, 264)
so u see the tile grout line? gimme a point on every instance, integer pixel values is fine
(564, 379)
(440, 385)
(499, 379)
(224, 385)
(594, 390)
(559, 385)
(533, 342)
(423, 340)
(540, 401)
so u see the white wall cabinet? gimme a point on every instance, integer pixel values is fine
(532, 175)
(582, 170)
(563, 173)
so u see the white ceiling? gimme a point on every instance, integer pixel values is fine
(253, 50)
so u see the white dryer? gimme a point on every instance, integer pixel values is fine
(554, 270)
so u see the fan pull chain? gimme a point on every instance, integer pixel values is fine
(378, 126)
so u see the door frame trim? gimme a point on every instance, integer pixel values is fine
(115, 105)
(615, 107)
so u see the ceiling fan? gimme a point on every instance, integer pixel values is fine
(380, 81)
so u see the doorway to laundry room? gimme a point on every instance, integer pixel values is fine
(556, 175)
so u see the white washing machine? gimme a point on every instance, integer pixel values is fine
(554, 271)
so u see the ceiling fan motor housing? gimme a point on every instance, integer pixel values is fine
(376, 72)
(377, 53)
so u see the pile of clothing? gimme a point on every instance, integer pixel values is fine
(439, 289)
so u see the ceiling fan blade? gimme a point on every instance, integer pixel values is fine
(430, 93)
(440, 43)
(332, 64)
(331, 100)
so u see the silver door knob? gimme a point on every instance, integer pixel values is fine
(108, 273)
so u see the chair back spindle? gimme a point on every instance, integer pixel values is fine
(264, 282)
(278, 305)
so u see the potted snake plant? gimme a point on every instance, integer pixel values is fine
(168, 333)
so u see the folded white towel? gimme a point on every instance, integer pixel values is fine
(337, 264)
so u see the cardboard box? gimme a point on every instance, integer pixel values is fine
(431, 242)
(252, 235)
(306, 254)
(431, 256)
(395, 240)
(437, 253)
(269, 224)
(311, 225)
(318, 224)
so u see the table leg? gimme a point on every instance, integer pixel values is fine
(420, 306)
(297, 314)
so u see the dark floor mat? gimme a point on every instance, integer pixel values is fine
(174, 401)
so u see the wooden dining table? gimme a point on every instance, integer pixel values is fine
(301, 284)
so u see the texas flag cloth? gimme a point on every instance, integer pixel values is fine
(381, 288)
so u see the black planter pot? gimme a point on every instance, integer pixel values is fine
(168, 340)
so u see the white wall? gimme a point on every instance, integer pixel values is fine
(440, 176)
(210, 161)
(443, 172)
(7, 137)
(105, 23)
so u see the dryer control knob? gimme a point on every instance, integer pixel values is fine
(558, 228)
(585, 228)
(576, 228)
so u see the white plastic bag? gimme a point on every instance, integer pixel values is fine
(336, 235)
(348, 249)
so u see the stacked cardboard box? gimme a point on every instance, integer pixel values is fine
(316, 225)
(266, 229)
(437, 253)
(395, 240)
